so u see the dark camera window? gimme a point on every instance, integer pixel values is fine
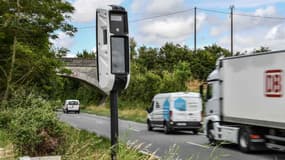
(118, 55)
(105, 36)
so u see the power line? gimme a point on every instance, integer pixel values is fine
(242, 14)
(257, 16)
(146, 18)
(214, 11)
(187, 10)
(163, 15)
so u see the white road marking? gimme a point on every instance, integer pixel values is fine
(199, 145)
(133, 129)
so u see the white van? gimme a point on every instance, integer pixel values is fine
(71, 105)
(175, 111)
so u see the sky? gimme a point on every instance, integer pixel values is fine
(256, 23)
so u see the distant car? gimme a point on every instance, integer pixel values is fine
(71, 105)
(175, 111)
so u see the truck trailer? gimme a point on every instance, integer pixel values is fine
(245, 101)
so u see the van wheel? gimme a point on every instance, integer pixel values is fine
(195, 131)
(149, 127)
(244, 140)
(166, 128)
(210, 134)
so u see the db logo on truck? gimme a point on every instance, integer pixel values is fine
(273, 83)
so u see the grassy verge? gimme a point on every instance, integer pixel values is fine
(85, 145)
(6, 147)
(4, 140)
(81, 144)
(33, 129)
(137, 114)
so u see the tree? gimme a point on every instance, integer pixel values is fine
(86, 54)
(133, 45)
(148, 57)
(261, 49)
(26, 55)
(170, 55)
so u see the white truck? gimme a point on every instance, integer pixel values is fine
(175, 111)
(245, 102)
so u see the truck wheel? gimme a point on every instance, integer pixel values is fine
(244, 140)
(210, 135)
(149, 127)
(166, 128)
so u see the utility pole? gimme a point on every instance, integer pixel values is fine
(232, 30)
(195, 31)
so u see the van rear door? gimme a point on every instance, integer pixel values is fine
(187, 109)
(194, 109)
(73, 105)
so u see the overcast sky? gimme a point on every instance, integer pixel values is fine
(212, 27)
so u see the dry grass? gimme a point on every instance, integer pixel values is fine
(194, 85)
(137, 114)
(7, 152)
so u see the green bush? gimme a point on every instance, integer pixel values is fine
(36, 130)
(5, 118)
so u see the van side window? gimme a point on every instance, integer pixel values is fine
(209, 91)
(157, 105)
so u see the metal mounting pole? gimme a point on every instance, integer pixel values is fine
(195, 31)
(114, 124)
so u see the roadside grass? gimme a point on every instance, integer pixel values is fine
(80, 144)
(6, 147)
(4, 139)
(137, 114)
(88, 146)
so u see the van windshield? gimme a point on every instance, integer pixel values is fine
(73, 103)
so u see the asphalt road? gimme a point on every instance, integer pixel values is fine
(183, 145)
